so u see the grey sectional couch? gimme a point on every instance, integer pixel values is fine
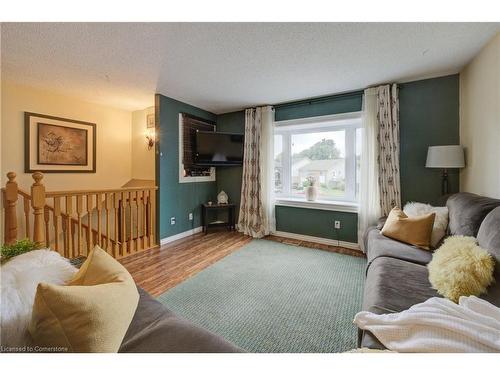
(155, 329)
(396, 278)
(396, 273)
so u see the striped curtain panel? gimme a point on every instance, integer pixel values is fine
(256, 216)
(388, 148)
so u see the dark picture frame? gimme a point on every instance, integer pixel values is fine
(68, 136)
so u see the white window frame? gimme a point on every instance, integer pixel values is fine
(348, 122)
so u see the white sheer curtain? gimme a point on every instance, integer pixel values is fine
(369, 194)
(256, 217)
(267, 168)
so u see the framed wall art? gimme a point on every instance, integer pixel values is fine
(59, 145)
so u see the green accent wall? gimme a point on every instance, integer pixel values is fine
(229, 178)
(177, 199)
(429, 116)
(317, 223)
(343, 103)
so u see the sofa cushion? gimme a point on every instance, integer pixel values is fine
(488, 238)
(467, 211)
(155, 329)
(394, 284)
(378, 245)
(489, 234)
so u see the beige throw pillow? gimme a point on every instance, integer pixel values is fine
(415, 230)
(90, 314)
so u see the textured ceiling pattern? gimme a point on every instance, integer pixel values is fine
(228, 66)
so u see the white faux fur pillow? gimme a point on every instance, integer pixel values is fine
(20, 278)
(440, 222)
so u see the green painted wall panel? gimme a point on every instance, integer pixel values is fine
(317, 223)
(335, 104)
(229, 178)
(429, 115)
(176, 199)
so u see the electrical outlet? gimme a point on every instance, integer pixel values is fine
(172, 221)
(336, 224)
(190, 216)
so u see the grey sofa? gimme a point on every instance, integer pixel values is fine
(396, 273)
(155, 329)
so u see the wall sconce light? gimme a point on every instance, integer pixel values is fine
(150, 138)
(150, 130)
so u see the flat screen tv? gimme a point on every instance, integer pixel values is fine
(218, 149)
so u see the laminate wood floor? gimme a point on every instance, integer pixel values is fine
(157, 270)
(160, 269)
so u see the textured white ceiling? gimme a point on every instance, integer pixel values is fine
(228, 66)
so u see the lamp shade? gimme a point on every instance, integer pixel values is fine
(445, 157)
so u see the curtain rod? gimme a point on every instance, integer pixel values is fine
(318, 99)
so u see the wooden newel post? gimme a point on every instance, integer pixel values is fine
(10, 209)
(38, 204)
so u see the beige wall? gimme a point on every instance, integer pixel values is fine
(143, 160)
(114, 146)
(480, 121)
(2, 183)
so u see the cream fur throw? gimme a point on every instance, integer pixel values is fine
(440, 222)
(20, 277)
(460, 268)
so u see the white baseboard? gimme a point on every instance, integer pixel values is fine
(178, 236)
(321, 240)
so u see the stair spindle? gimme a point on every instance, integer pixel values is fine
(90, 208)
(26, 208)
(38, 204)
(46, 217)
(123, 223)
(116, 208)
(79, 213)
(99, 218)
(131, 223)
(107, 206)
(55, 222)
(11, 189)
(69, 236)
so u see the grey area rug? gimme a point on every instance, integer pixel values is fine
(273, 297)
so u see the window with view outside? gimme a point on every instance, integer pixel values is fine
(325, 154)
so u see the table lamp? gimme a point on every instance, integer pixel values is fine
(445, 157)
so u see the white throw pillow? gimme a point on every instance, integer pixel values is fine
(20, 277)
(440, 222)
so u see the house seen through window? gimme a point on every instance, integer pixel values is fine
(323, 152)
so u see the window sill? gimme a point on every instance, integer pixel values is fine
(318, 204)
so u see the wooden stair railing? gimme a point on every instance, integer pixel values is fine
(87, 231)
(121, 221)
